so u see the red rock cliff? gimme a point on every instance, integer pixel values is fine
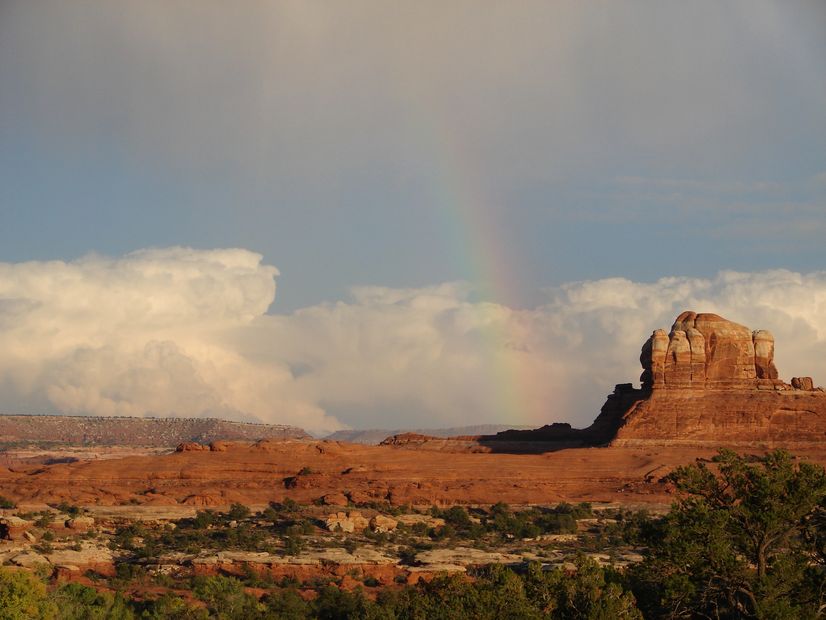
(711, 381)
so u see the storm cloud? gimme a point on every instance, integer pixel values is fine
(187, 332)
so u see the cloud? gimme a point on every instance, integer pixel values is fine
(141, 335)
(186, 332)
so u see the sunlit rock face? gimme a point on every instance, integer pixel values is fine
(712, 381)
(706, 382)
(706, 351)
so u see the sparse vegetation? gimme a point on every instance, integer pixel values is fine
(746, 538)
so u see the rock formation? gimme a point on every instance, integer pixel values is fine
(349, 522)
(708, 382)
(712, 381)
(706, 351)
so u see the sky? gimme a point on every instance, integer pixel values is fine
(373, 214)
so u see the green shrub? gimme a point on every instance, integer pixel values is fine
(23, 596)
(293, 545)
(69, 509)
(225, 597)
(742, 540)
(78, 602)
(238, 512)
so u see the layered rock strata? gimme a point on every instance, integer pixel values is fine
(706, 351)
(708, 382)
(712, 381)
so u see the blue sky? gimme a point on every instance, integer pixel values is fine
(515, 146)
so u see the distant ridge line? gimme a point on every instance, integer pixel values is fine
(135, 431)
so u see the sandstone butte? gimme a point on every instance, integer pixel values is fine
(708, 383)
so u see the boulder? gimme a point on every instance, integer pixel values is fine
(803, 383)
(80, 523)
(382, 524)
(334, 499)
(349, 522)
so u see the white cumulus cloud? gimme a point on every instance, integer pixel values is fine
(186, 332)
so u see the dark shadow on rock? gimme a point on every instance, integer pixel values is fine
(562, 436)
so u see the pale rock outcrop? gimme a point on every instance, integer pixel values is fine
(383, 524)
(28, 559)
(349, 522)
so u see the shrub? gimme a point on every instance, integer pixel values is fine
(69, 509)
(79, 602)
(203, 519)
(238, 512)
(225, 597)
(22, 596)
(6, 503)
(738, 541)
(293, 545)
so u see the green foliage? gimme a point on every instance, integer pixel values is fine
(286, 605)
(170, 607)
(78, 602)
(289, 505)
(335, 604)
(589, 592)
(535, 521)
(293, 545)
(238, 512)
(69, 509)
(496, 593)
(738, 542)
(43, 547)
(583, 510)
(203, 519)
(225, 598)
(205, 531)
(128, 572)
(457, 524)
(23, 596)
(6, 503)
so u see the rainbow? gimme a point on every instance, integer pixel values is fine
(479, 252)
